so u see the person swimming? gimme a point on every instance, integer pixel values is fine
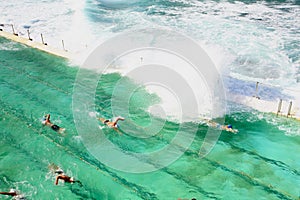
(14, 194)
(66, 178)
(111, 124)
(228, 127)
(46, 121)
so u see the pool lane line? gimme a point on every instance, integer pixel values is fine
(10, 183)
(32, 97)
(50, 86)
(200, 189)
(208, 194)
(253, 181)
(277, 163)
(114, 177)
(14, 68)
(36, 160)
(38, 80)
(236, 173)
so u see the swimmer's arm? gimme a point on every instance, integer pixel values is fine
(48, 117)
(5, 193)
(102, 120)
(9, 193)
(233, 130)
(56, 180)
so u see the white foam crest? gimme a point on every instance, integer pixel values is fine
(39, 17)
(117, 3)
(251, 33)
(68, 24)
(170, 102)
(246, 39)
(289, 126)
(219, 56)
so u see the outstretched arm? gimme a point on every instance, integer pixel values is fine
(56, 180)
(103, 120)
(116, 121)
(234, 131)
(9, 193)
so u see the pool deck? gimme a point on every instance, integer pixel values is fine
(270, 106)
(37, 45)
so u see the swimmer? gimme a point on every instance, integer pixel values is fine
(111, 124)
(46, 121)
(228, 127)
(12, 192)
(66, 178)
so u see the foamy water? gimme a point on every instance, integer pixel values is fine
(261, 161)
(251, 42)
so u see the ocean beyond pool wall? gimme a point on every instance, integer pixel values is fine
(41, 46)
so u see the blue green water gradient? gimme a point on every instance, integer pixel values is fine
(260, 162)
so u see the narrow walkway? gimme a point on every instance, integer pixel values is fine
(37, 45)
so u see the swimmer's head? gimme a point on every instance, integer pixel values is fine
(229, 126)
(12, 191)
(59, 171)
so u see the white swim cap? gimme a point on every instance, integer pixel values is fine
(12, 190)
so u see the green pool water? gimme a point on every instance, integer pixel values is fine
(260, 162)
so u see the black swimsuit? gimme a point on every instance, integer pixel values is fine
(55, 127)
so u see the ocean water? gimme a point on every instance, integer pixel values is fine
(249, 41)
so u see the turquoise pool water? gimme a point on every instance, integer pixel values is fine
(260, 162)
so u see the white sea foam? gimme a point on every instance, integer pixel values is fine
(171, 78)
(93, 114)
(246, 41)
(77, 138)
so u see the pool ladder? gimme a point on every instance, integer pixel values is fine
(289, 114)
